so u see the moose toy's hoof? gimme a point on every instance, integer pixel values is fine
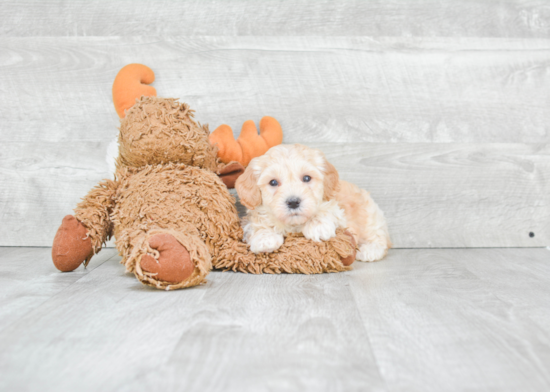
(71, 245)
(347, 261)
(230, 173)
(174, 263)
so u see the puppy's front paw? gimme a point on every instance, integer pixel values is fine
(371, 252)
(319, 231)
(265, 242)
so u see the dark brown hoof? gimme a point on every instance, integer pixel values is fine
(174, 263)
(230, 173)
(347, 261)
(71, 245)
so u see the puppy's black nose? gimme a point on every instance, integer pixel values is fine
(293, 202)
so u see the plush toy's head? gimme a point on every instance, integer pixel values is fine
(162, 130)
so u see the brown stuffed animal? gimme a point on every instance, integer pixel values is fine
(172, 215)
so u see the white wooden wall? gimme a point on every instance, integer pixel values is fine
(439, 108)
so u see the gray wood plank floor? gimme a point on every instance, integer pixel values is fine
(421, 320)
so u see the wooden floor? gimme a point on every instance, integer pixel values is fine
(421, 320)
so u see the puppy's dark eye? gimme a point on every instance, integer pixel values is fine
(306, 179)
(273, 183)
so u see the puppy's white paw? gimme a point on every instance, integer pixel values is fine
(319, 231)
(371, 252)
(265, 241)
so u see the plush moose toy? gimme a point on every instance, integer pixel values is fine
(169, 207)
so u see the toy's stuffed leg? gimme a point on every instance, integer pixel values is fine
(300, 255)
(166, 259)
(296, 255)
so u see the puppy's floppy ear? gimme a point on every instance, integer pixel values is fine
(331, 181)
(248, 189)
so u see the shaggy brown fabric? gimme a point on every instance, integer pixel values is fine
(71, 245)
(166, 187)
(162, 130)
(298, 255)
(94, 212)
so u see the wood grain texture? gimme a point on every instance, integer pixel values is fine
(220, 336)
(28, 279)
(433, 195)
(322, 89)
(511, 18)
(43, 182)
(450, 320)
(421, 320)
(454, 195)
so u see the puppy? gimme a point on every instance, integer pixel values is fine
(293, 188)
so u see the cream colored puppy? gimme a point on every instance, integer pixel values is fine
(293, 188)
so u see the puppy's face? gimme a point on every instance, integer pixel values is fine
(290, 181)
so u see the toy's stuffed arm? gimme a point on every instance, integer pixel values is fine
(81, 236)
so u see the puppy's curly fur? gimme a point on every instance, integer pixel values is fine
(294, 189)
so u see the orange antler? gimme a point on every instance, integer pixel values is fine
(131, 83)
(249, 144)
